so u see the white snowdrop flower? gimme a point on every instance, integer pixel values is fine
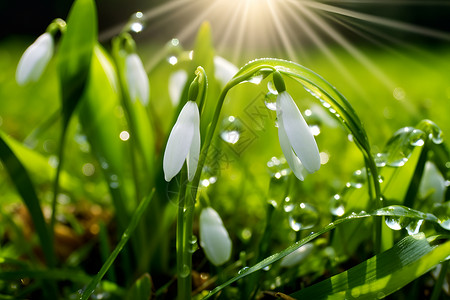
(137, 79)
(34, 60)
(214, 238)
(297, 256)
(177, 81)
(296, 139)
(224, 70)
(432, 183)
(183, 143)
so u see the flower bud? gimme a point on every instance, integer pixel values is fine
(137, 80)
(214, 238)
(34, 60)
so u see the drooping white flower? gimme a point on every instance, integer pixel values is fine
(224, 70)
(214, 238)
(34, 60)
(183, 143)
(296, 139)
(432, 183)
(137, 80)
(177, 82)
(297, 256)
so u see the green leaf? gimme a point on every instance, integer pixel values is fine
(102, 122)
(382, 274)
(392, 211)
(141, 289)
(75, 53)
(25, 187)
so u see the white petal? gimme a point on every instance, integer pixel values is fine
(292, 160)
(214, 238)
(297, 256)
(224, 70)
(298, 132)
(176, 84)
(35, 59)
(194, 151)
(137, 79)
(180, 140)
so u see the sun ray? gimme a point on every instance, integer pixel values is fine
(230, 28)
(152, 13)
(240, 33)
(321, 45)
(380, 20)
(340, 39)
(281, 30)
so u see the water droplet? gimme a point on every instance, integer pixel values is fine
(137, 22)
(380, 159)
(114, 181)
(399, 93)
(315, 129)
(88, 169)
(358, 179)
(124, 135)
(231, 128)
(82, 142)
(246, 234)
(337, 207)
(267, 268)
(256, 79)
(401, 145)
(173, 60)
(303, 216)
(414, 227)
(53, 161)
(350, 137)
(317, 94)
(442, 212)
(193, 244)
(395, 223)
(243, 270)
(270, 100)
(185, 271)
(324, 158)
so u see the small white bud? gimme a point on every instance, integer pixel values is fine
(137, 80)
(214, 238)
(34, 60)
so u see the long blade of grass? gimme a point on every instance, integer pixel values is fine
(21, 180)
(382, 274)
(392, 211)
(125, 237)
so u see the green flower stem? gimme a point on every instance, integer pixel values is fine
(183, 280)
(186, 204)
